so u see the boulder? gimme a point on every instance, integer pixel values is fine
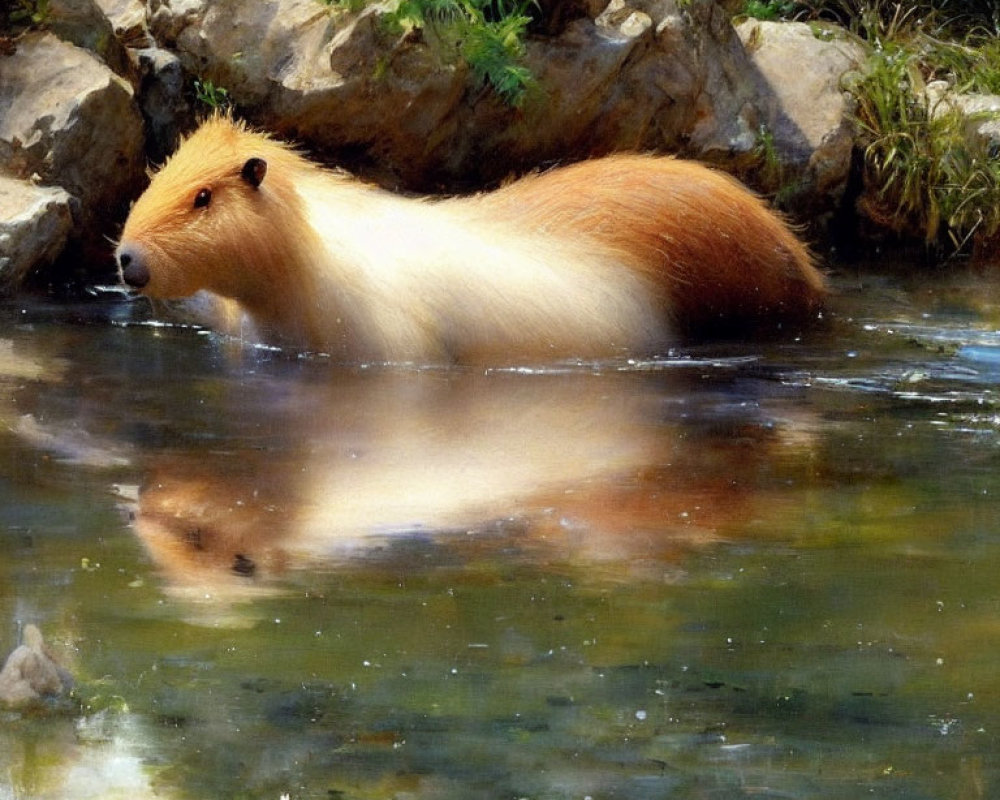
(84, 23)
(642, 74)
(806, 132)
(163, 100)
(67, 120)
(35, 222)
(981, 113)
(128, 18)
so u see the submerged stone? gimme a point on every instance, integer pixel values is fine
(30, 673)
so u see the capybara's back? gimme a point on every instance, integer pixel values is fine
(722, 259)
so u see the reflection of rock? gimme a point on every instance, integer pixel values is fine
(18, 363)
(30, 672)
(69, 444)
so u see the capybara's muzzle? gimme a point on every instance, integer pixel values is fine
(133, 268)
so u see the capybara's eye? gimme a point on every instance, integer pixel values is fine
(203, 198)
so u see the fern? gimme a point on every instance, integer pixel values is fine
(493, 50)
(487, 34)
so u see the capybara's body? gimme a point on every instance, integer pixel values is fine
(611, 256)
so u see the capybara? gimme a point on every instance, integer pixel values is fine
(611, 256)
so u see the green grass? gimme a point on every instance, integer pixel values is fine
(924, 178)
(887, 19)
(973, 64)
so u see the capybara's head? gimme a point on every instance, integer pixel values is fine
(211, 217)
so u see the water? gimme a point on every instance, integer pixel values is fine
(744, 570)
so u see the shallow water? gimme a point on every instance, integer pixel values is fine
(755, 570)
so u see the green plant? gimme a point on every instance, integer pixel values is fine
(770, 174)
(487, 34)
(876, 21)
(494, 51)
(766, 156)
(973, 65)
(925, 176)
(970, 196)
(30, 13)
(886, 19)
(213, 96)
(768, 9)
(345, 5)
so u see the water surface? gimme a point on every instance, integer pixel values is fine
(739, 570)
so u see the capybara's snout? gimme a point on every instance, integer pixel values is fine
(132, 267)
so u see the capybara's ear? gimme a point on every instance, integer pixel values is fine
(254, 171)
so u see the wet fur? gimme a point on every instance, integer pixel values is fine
(608, 256)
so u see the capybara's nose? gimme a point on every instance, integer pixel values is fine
(134, 272)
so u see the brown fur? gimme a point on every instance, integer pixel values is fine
(717, 252)
(608, 256)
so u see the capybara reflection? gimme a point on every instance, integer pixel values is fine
(581, 468)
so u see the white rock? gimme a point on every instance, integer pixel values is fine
(805, 110)
(67, 120)
(34, 224)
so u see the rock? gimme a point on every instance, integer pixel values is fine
(67, 120)
(128, 18)
(643, 74)
(30, 673)
(35, 222)
(164, 104)
(981, 113)
(806, 114)
(83, 23)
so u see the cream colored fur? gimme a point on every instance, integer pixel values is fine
(436, 280)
